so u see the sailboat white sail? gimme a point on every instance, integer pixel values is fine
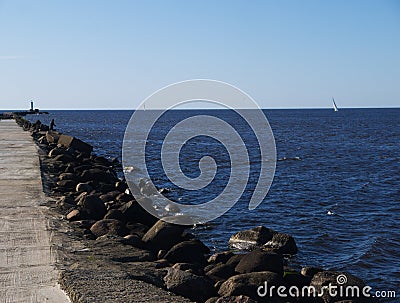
(335, 108)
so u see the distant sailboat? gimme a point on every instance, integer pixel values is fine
(335, 108)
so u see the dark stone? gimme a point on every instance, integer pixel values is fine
(80, 187)
(68, 141)
(108, 226)
(296, 279)
(282, 243)
(133, 240)
(221, 271)
(251, 238)
(163, 235)
(221, 257)
(97, 175)
(121, 186)
(123, 197)
(235, 299)
(192, 268)
(138, 229)
(114, 214)
(196, 288)
(65, 158)
(93, 206)
(109, 196)
(260, 261)
(67, 184)
(192, 251)
(310, 271)
(247, 284)
(67, 176)
(326, 278)
(235, 259)
(134, 212)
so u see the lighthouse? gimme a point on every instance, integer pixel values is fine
(31, 106)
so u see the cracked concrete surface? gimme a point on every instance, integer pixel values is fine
(27, 272)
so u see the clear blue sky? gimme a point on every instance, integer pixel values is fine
(113, 54)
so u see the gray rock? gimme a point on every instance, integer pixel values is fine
(247, 284)
(107, 227)
(282, 243)
(260, 261)
(93, 206)
(163, 235)
(251, 238)
(191, 286)
(221, 257)
(192, 251)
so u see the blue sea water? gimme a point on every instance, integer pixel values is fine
(341, 200)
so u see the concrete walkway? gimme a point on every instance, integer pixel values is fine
(27, 272)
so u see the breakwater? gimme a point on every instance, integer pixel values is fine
(118, 233)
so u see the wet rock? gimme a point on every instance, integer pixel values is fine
(251, 238)
(108, 226)
(221, 257)
(192, 251)
(310, 271)
(260, 261)
(84, 187)
(186, 284)
(247, 284)
(282, 243)
(93, 206)
(163, 235)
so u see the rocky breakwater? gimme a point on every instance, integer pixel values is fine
(123, 245)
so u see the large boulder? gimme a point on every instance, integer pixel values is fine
(108, 227)
(350, 285)
(260, 261)
(163, 235)
(68, 141)
(221, 257)
(98, 175)
(251, 238)
(192, 251)
(282, 243)
(184, 283)
(93, 206)
(247, 284)
(221, 271)
(134, 212)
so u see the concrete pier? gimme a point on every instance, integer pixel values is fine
(27, 272)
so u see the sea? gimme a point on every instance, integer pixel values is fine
(336, 187)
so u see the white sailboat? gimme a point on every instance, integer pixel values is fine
(335, 108)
